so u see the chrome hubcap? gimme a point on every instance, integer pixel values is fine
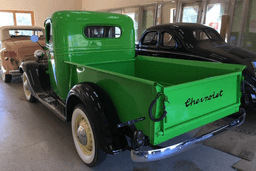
(81, 135)
(26, 85)
(2, 72)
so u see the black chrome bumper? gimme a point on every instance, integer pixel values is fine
(15, 72)
(158, 154)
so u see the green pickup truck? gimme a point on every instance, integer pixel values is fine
(117, 101)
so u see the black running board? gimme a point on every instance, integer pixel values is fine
(54, 105)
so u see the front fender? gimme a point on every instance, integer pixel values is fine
(6, 63)
(31, 68)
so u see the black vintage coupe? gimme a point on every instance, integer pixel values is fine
(198, 42)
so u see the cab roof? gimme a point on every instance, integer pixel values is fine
(91, 17)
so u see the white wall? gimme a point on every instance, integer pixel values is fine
(95, 5)
(42, 8)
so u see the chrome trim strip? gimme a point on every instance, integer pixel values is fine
(14, 72)
(253, 96)
(252, 87)
(154, 155)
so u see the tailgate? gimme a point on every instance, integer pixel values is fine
(197, 103)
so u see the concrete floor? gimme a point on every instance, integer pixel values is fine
(33, 138)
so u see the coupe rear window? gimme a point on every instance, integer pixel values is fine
(213, 34)
(205, 34)
(102, 32)
(200, 35)
(26, 33)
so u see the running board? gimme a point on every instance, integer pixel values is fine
(54, 105)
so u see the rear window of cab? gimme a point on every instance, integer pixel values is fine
(102, 32)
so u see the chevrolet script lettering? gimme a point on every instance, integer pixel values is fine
(191, 101)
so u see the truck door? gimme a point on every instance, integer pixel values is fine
(50, 55)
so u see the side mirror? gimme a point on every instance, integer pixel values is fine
(34, 38)
(39, 54)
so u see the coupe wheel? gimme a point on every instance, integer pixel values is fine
(5, 77)
(85, 135)
(27, 92)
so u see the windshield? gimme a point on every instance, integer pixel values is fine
(25, 33)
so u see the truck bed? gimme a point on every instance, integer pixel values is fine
(166, 74)
(198, 92)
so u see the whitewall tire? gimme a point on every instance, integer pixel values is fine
(85, 135)
(27, 92)
(5, 77)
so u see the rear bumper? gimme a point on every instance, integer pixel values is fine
(158, 154)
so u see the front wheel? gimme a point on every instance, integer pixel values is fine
(27, 92)
(85, 135)
(5, 77)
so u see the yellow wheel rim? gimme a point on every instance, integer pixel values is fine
(88, 148)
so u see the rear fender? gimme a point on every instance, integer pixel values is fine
(94, 99)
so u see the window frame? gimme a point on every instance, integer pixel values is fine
(106, 28)
(20, 11)
(161, 41)
(198, 33)
(144, 36)
(48, 33)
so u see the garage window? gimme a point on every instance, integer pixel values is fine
(102, 32)
(17, 18)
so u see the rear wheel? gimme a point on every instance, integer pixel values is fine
(85, 135)
(5, 77)
(27, 92)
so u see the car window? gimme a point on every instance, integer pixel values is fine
(168, 40)
(150, 39)
(48, 33)
(25, 33)
(102, 32)
(213, 34)
(200, 35)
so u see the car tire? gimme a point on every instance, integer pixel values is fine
(27, 92)
(5, 77)
(86, 136)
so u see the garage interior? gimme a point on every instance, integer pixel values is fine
(33, 138)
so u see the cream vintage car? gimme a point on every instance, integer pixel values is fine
(16, 47)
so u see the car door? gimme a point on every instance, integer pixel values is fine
(148, 44)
